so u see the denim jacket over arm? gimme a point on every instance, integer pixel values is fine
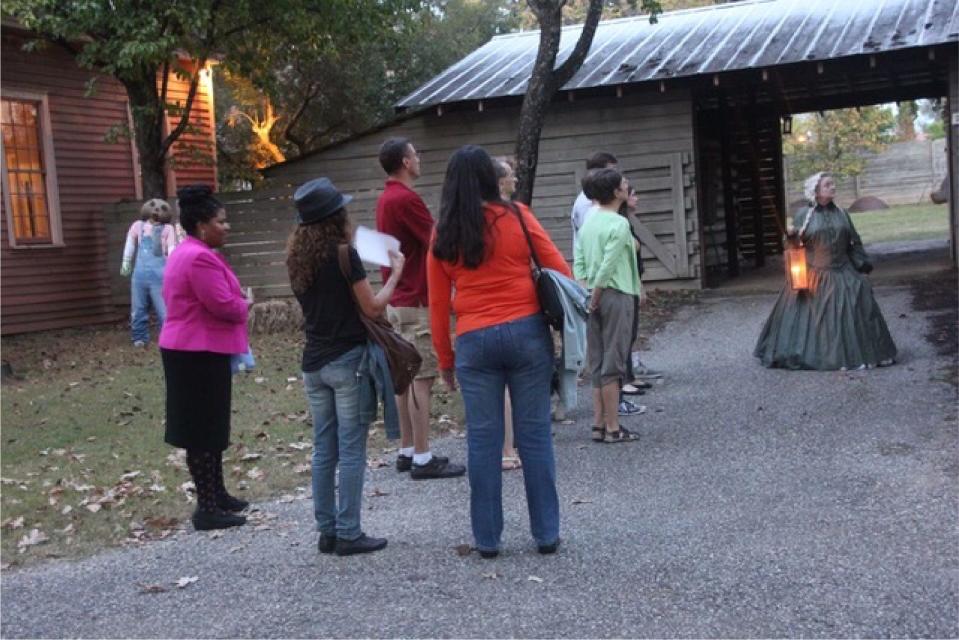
(575, 304)
(378, 387)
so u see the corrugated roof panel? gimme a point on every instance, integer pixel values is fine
(728, 37)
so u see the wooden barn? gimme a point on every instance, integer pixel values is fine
(58, 173)
(693, 106)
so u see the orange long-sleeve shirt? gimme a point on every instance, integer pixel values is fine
(498, 290)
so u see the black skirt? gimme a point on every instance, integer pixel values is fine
(198, 391)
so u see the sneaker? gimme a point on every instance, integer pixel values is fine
(139, 344)
(630, 389)
(488, 555)
(405, 463)
(548, 549)
(363, 544)
(326, 544)
(627, 408)
(231, 503)
(437, 467)
(219, 519)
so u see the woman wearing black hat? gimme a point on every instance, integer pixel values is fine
(335, 343)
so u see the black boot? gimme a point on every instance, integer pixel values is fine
(223, 499)
(218, 519)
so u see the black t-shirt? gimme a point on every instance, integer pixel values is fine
(331, 319)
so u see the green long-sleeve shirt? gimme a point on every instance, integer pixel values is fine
(605, 255)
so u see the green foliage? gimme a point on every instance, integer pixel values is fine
(329, 89)
(135, 42)
(838, 141)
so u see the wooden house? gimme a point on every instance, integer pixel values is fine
(693, 107)
(58, 173)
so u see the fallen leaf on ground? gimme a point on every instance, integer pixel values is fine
(287, 497)
(34, 537)
(376, 492)
(299, 446)
(534, 579)
(255, 474)
(131, 475)
(15, 523)
(301, 468)
(490, 575)
(151, 588)
(581, 501)
(93, 507)
(377, 463)
(251, 456)
(185, 581)
(463, 550)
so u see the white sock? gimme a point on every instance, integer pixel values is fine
(406, 451)
(422, 458)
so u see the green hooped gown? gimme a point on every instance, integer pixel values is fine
(836, 323)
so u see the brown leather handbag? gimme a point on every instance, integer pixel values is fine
(401, 354)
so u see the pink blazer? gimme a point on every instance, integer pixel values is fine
(205, 307)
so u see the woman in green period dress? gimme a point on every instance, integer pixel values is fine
(835, 323)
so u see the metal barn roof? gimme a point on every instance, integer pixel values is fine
(741, 35)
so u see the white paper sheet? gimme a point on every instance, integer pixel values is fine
(374, 247)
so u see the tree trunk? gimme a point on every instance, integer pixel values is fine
(545, 81)
(148, 133)
(539, 93)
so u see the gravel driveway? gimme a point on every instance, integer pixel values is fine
(758, 503)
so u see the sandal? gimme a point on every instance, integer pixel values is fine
(599, 433)
(511, 463)
(622, 435)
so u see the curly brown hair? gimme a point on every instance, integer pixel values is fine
(309, 246)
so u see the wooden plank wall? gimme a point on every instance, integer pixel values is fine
(953, 142)
(649, 133)
(51, 287)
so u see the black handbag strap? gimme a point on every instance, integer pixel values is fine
(529, 239)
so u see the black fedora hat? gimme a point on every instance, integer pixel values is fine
(317, 200)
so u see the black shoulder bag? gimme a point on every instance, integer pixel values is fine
(546, 293)
(401, 355)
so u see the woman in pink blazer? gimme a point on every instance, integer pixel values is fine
(205, 325)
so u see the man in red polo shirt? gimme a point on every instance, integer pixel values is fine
(401, 213)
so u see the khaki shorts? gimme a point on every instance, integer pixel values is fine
(609, 338)
(413, 323)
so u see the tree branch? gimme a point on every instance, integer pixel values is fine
(568, 69)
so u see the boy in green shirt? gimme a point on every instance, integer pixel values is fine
(605, 257)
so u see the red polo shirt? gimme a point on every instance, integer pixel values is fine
(401, 213)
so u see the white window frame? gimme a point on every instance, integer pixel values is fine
(50, 164)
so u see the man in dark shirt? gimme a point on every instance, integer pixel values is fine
(401, 213)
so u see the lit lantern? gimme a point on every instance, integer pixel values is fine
(796, 268)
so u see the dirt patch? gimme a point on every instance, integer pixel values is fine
(659, 309)
(937, 293)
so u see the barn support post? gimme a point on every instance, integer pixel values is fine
(729, 210)
(758, 227)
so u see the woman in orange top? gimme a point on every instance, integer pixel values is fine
(502, 340)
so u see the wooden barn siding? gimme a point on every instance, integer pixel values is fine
(53, 287)
(643, 131)
(953, 142)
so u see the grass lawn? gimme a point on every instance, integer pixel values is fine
(83, 464)
(83, 458)
(902, 223)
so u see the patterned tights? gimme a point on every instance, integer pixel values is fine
(206, 469)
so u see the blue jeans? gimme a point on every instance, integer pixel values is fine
(339, 437)
(518, 355)
(145, 292)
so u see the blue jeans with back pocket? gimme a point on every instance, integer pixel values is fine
(339, 438)
(517, 355)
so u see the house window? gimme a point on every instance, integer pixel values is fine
(29, 184)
